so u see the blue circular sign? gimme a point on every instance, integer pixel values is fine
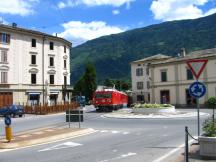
(7, 120)
(197, 89)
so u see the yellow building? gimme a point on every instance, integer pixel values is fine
(171, 78)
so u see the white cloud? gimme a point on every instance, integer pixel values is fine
(116, 12)
(211, 11)
(17, 7)
(81, 31)
(167, 10)
(91, 3)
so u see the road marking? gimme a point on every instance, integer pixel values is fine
(120, 157)
(114, 132)
(126, 133)
(6, 150)
(104, 131)
(61, 146)
(172, 151)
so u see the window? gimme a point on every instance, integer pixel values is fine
(147, 71)
(139, 72)
(140, 98)
(148, 84)
(3, 56)
(51, 79)
(33, 59)
(4, 38)
(51, 61)
(51, 46)
(65, 49)
(163, 76)
(3, 77)
(103, 95)
(139, 85)
(33, 79)
(65, 64)
(189, 74)
(33, 44)
(65, 80)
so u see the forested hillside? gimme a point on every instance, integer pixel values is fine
(112, 54)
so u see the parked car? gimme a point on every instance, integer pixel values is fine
(12, 110)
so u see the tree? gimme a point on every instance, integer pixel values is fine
(87, 83)
(79, 87)
(211, 103)
(90, 83)
(109, 82)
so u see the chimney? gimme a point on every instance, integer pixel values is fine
(14, 25)
(183, 52)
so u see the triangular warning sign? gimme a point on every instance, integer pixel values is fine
(197, 66)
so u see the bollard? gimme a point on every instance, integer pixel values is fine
(8, 133)
(186, 144)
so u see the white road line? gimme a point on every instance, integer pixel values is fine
(61, 146)
(126, 133)
(172, 152)
(114, 132)
(120, 157)
(104, 131)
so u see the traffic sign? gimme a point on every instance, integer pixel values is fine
(7, 121)
(197, 66)
(197, 89)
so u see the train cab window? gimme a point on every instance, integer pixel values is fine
(106, 95)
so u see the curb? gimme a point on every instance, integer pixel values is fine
(51, 137)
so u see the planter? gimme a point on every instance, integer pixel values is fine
(207, 146)
(154, 110)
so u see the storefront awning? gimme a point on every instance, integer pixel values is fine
(34, 93)
(54, 92)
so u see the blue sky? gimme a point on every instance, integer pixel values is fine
(83, 20)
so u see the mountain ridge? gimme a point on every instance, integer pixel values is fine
(112, 54)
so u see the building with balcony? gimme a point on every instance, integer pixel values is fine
(34, 66)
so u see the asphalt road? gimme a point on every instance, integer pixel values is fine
(116, 140)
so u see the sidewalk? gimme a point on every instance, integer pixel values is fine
(194, 155)
(40, 136)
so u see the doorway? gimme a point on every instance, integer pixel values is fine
(164, 96)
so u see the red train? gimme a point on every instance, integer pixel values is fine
(109, 100)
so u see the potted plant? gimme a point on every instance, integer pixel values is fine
(208, 141)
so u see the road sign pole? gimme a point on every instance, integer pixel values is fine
(198, 116)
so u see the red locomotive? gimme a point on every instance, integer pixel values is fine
(109, 99)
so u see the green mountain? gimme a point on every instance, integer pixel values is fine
(112, 54)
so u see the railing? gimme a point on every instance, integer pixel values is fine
(43, 110)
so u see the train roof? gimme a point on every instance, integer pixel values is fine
(110, 90)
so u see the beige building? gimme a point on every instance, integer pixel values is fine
(171, 78)
(140, 77)
(34, 66)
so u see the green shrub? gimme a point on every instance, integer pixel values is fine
(209, 127)
(211, 103)
(152, 105)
